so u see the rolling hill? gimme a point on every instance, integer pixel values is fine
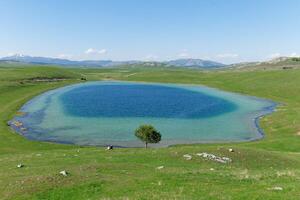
(276, 63)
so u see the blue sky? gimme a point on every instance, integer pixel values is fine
(222, 30)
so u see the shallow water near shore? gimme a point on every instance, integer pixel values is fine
(108, 112)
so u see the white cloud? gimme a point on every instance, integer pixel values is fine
(95, 51)
(89, 54)
(184, 54)
(274, 55)
(294, 55)
(11, 54)
(151, 57)
(15, 54)
(65, 56)
(228, 55)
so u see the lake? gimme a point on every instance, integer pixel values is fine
(108, 112)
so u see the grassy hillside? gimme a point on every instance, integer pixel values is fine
(256, 169)
(274, 64)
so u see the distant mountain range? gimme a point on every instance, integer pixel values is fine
(65, 62)
(196, 63)
(23, 60)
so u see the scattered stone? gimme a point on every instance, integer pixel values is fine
(220, 160)
(187, 157)
(20, 165)
(160, 167)
(17, 123)
(285, 173)
(212, 169)
(213, 157)
(38, 154)
(20, 113)
(23, 129)
(64, 173)
(109, 147)
(230, 150)
(226, 159)
(277, 188)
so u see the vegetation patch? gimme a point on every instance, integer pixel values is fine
(264, 169)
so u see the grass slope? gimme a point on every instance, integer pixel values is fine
(257, 167)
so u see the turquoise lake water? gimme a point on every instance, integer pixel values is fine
(107, 113)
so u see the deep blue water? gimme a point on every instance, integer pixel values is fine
(142, 100)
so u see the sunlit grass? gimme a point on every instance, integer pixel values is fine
(256, 169)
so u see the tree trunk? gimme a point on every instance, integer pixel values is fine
(146, 145)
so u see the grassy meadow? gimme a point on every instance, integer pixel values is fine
(131, 173)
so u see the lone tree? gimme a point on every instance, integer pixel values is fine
(148, 134)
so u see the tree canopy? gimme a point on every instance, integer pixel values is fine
(148, 134)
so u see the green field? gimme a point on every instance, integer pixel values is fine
(131, 173)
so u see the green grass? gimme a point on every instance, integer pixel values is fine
(131, 173)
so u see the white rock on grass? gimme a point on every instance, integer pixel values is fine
(220, 160)
(230, 150)
(64, 173)
(226, 159)
(160, 167)
(215, 158)
(187, 157)
(20, 165)
(276, 188)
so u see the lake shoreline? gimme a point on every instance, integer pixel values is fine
(262, 113)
